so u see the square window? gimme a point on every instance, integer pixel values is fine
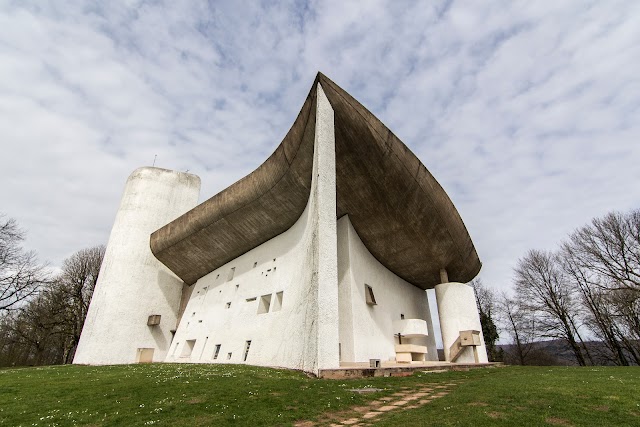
(188, 348)
(265, 304)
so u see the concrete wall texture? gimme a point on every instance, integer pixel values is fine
(312, 297)
(133, 284)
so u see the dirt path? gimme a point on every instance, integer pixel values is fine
(406, 398)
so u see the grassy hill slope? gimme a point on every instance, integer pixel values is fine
(219, 395)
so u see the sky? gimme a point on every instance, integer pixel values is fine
(527, 113)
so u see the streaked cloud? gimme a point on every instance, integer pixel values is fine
(526, 112)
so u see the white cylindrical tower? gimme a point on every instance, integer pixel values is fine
(133, 285)
(458, 312)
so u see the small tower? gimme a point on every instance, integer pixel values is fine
(136, 300)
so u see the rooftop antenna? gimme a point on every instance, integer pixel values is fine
(154, 160)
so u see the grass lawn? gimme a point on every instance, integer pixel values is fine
(220, 395)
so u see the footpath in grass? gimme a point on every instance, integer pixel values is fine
(220, 395)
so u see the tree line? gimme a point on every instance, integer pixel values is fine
(585, 294)
(42, 313)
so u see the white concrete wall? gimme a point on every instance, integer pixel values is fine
(133, 284)
(458, 311)
(366, 331)
(301, 263)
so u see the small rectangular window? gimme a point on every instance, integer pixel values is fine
(228, 356)
(188, 348)
(265, 304)
(228, 305)
(231, 273)
(370, 298)
(216, 351)
(251, 299)
(255, 264)
(246, 350)
(277, 304)
(203, 346)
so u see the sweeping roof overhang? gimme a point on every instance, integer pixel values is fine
(398, 209)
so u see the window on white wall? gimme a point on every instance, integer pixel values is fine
(277, 303)
(216, 352)
(231, 273)
(188, 348)
(264, 304)
(247, 345)
(369, 296)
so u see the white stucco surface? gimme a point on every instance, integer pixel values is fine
(299, 300)
(366, 331)
(299, 267)
(457, 311)
(132, 283)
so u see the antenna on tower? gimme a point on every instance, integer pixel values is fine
(154, 160)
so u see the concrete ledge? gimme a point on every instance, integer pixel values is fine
(400, 371)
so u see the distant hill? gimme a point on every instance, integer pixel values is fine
(557, 353)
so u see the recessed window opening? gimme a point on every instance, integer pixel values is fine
(402, 316)
(228, 305)
(193, 314)
(251, 299)
(246, 350)
(274, 269)
(264, 304)
(217, 276)
(370, 298)
(231, 273)
(274, 260)
(277, 303)
(255, 264)
(228, 356)
(216, 352)
(188, 348)
(203, 346)
(237, 287)
(200, 321)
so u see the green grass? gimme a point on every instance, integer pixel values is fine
(219, 395)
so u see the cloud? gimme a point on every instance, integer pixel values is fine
(526, 112)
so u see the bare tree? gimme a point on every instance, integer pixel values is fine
(544, 288)
(603, 259)
(20, 272)
(47, 327)
(599, 315)
(485, 300)
(610, 248)
(76, 284)
(519, 323)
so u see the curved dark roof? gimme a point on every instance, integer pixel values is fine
(399, 210)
